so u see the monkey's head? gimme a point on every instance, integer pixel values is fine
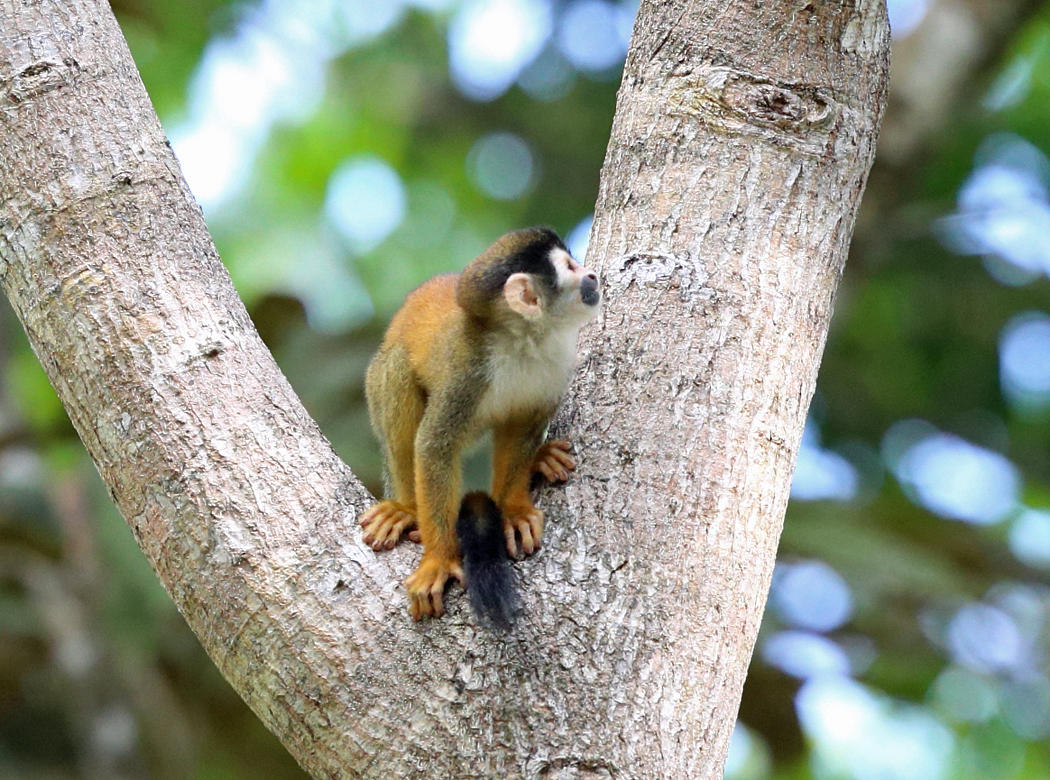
(530, 274)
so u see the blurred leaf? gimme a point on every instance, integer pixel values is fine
(32, 392)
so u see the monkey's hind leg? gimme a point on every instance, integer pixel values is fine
(395, 404)
(517, 452)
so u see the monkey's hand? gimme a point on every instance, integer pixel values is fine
(427, 585)
(553, 461)
(522, 520)
(385, 522)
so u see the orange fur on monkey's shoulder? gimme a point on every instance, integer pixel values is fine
(426, 313)
(426, 318)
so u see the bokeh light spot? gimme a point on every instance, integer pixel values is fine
(1030, 538)
(820, 474)
(549, 77)
(959, 480)
(365, 201)
(363, 20)
(804, 655)
(501, 165)
(579, 237)
(740, 747)
(984, 639)
(857, 734)
(589, 35)
(1025, 706)
(491, 41)
(905, 15)
(1024, 360)
(269, 70)
(1003, 209)
(811, 595)
(963, 696)
(213, 161)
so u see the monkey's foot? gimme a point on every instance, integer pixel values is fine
(553, 461)
(522, 521)
(427, 585)
(385, 523)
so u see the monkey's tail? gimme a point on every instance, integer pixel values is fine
(490, 579)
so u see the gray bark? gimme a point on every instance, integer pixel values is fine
(742, 138)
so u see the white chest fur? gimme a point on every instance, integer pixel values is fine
(527, 374)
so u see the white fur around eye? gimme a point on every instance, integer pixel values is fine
(561, 260)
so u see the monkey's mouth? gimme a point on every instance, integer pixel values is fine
(589, 291)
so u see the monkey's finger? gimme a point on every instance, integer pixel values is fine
(389, 537)
(419, 604)
(387, 527)
(413, 607)
(413, 596)
(423, 608)
(536, 526)
(377, 533)
(395, 530)
(512, 545)
(372, 520)
(527, 545)
(415, 535)
(370, 513)
(555, 465)
(456, 570)
(436, 591)
(374, 532)
(564, 458)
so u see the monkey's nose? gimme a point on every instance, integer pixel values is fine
(589, 289)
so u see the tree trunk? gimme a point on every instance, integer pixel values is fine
(742, 138)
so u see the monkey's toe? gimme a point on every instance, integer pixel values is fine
(385, 523)
(525, 523)
(553, 461)
(426, 586)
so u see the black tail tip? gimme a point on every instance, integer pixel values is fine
(490, 578)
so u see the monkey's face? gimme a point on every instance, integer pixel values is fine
(546, 286)
(576, 295)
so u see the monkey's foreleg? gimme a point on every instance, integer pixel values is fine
(437, 486)
(395, 405)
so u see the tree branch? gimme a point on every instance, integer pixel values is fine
(741, 143)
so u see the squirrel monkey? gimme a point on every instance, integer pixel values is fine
(490, 348)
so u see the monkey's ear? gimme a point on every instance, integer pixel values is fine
(520, 294)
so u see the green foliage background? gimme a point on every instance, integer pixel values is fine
(98, 674)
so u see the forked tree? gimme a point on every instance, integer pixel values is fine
(741, 143)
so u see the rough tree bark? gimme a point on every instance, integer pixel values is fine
(742, 138)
